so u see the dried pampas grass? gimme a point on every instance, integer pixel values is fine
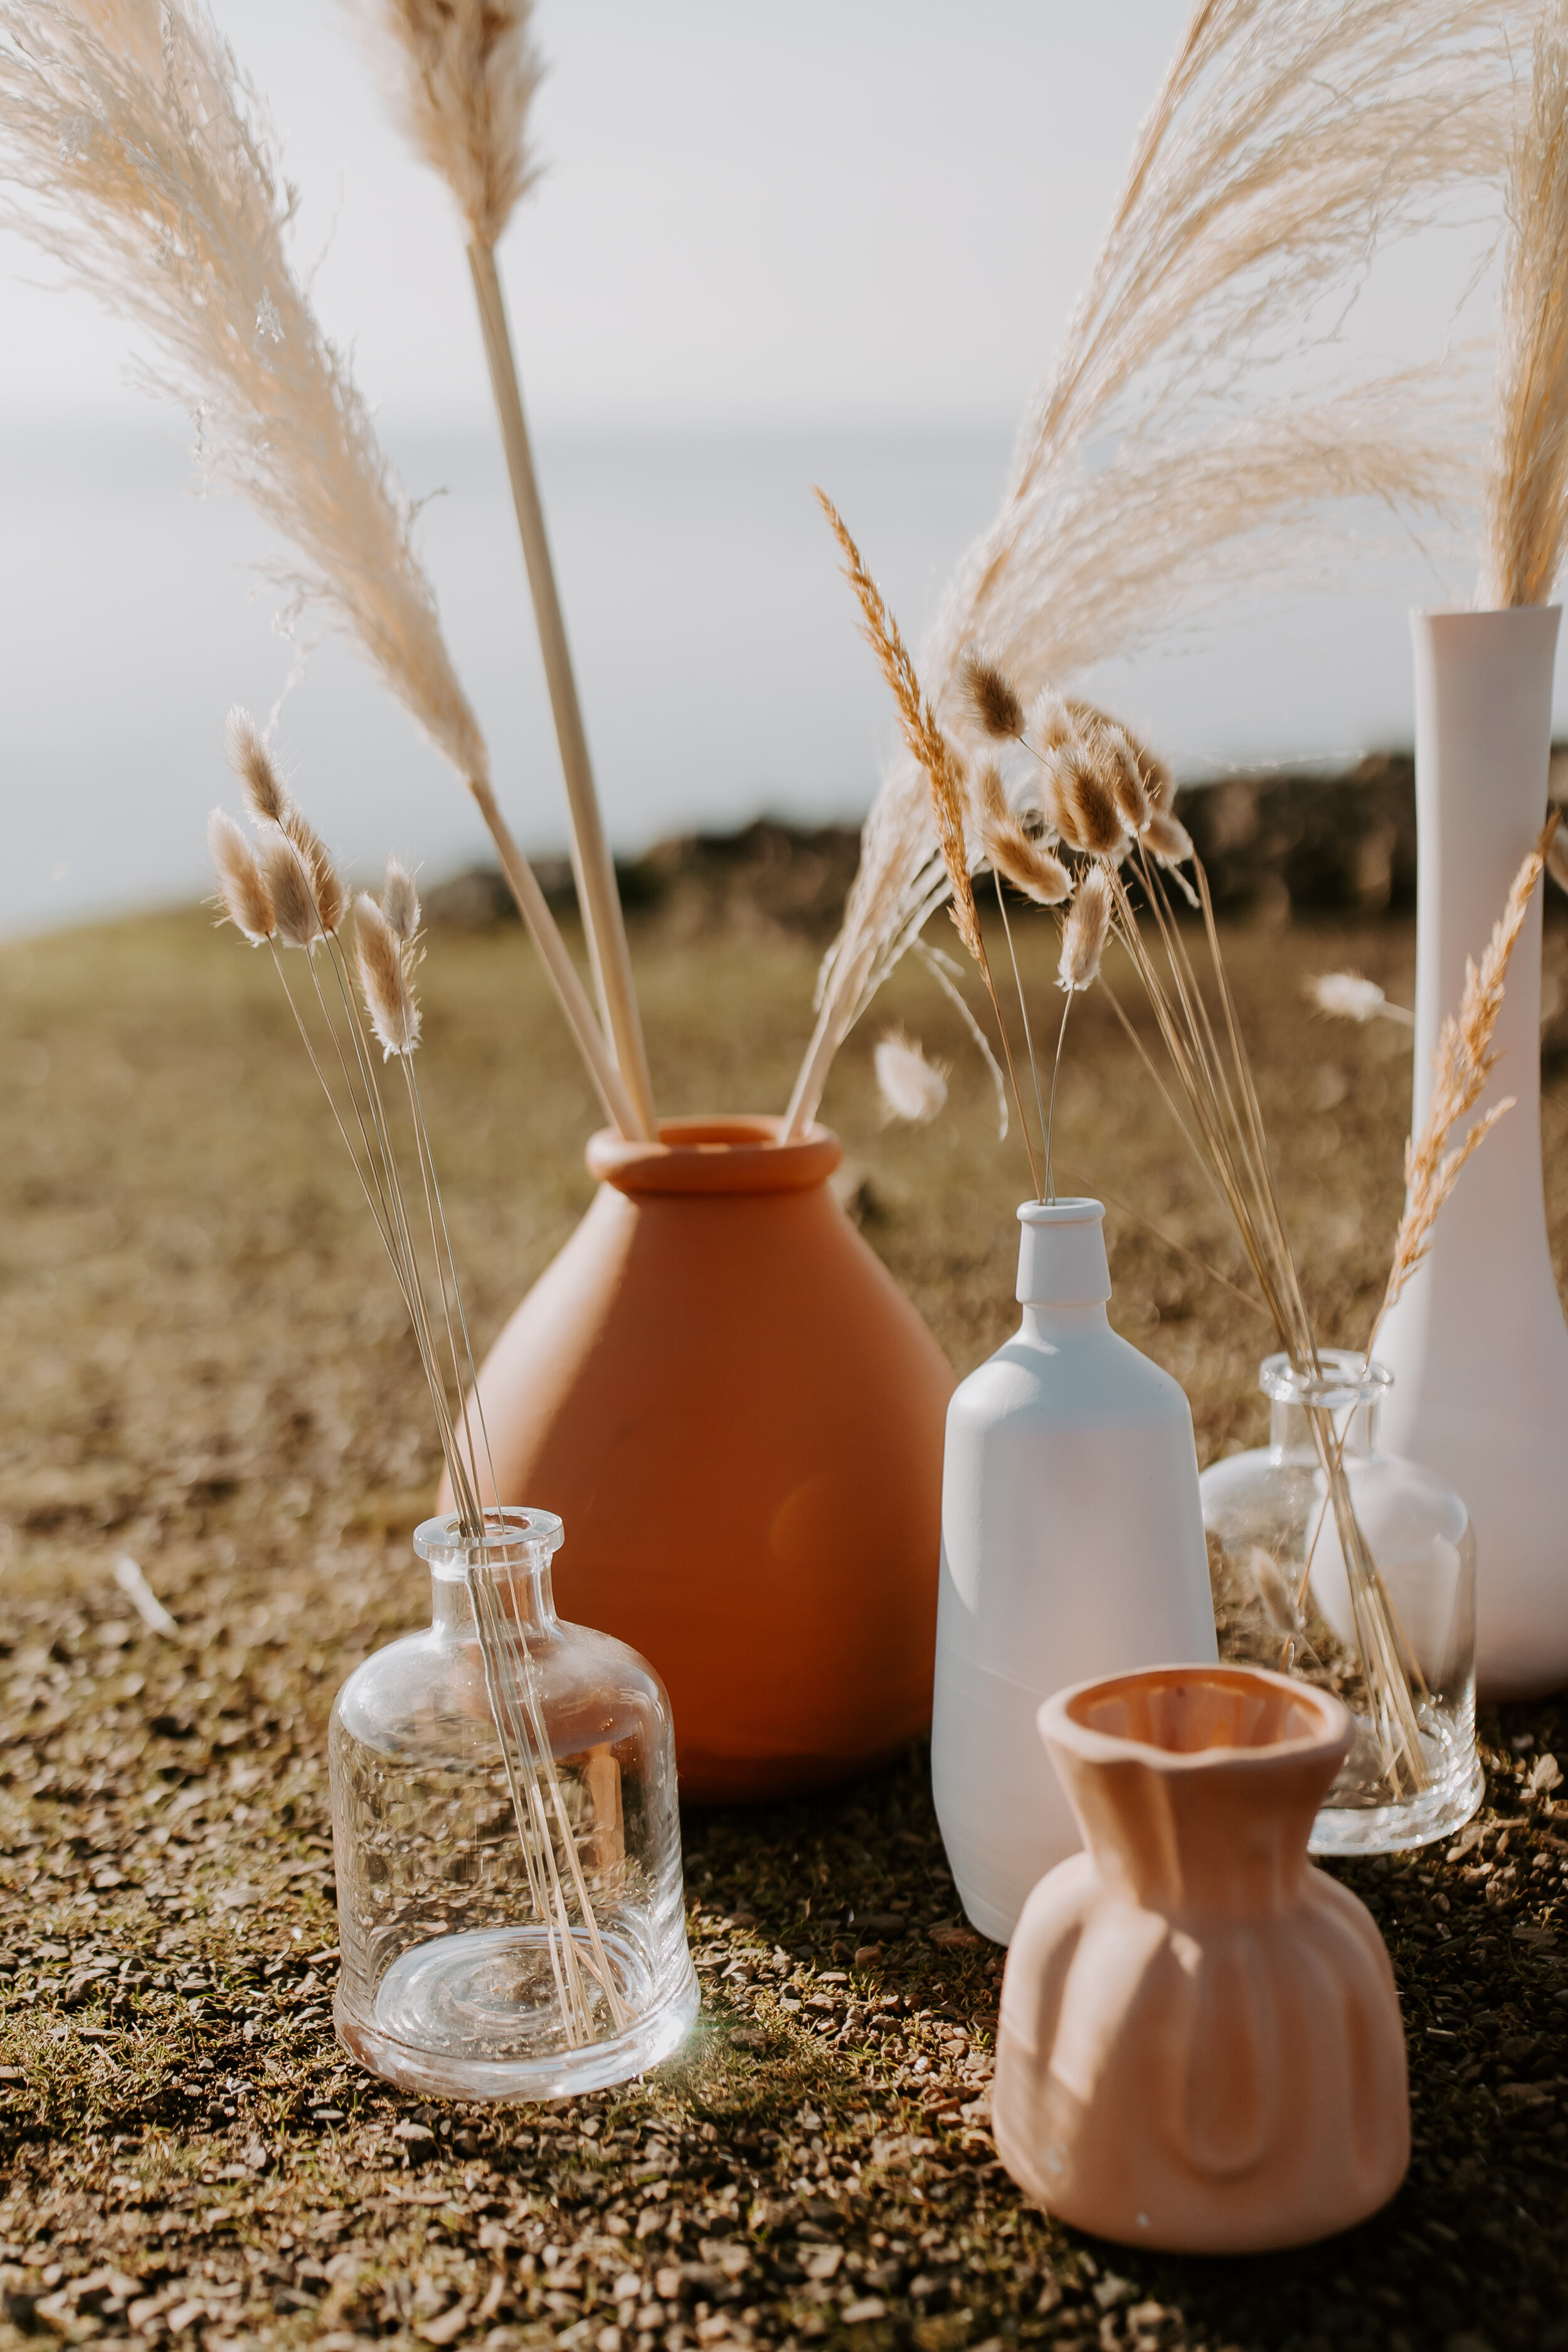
(1284, 146)
(463, 74)
(911, 1088)
(1526, 526)
(143, 165)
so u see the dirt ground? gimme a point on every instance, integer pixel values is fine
(204, 1370)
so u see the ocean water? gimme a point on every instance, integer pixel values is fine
(720, 668)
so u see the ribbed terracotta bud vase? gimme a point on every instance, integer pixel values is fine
(722, 1391)
(1200, 2045)
(1477, 1345)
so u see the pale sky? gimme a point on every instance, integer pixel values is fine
(835, 241)
(847, 211)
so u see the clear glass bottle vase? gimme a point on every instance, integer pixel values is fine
(510, 1913)
(1284, 1599)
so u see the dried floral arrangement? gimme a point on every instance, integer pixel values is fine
(1283, 147)
(1092, 835)
(1153, 466)
(283, 891)
(152, 176)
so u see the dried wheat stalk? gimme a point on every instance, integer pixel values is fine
(1284, 146)
(465, 73)
(942, 769)
(1462, 1062)
(139, 160)
(1526, 527)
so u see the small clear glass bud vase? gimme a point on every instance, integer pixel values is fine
(510, 1912)
(1283, 1599)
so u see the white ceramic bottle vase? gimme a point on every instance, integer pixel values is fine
(1072, 1545)
(1477, 1345)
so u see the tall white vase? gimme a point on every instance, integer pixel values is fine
(1072, 1545)
(1478, 1344)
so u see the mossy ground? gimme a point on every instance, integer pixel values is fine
(203, 1369)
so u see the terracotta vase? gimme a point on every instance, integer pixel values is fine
(724, 1394)
(1200, 2046)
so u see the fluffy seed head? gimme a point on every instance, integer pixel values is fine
(256, 768)
(289, 886)
(246, 898)
(1014, 853)
(384, 976)
(1079, 803)
(1121, 767)
(1085, 932)
(1049, 721)
(1346, 997)
(332, 901)
(911, 1087)
(989, 696)
(1167, 838)
(400, 901)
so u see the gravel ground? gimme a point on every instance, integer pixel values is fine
(203, 1371)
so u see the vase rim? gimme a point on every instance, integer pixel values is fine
(1346, 1378)
(1471, 613)
(1278, 1701)
(1064, 1210)
(514, 1537)
(715, 1153)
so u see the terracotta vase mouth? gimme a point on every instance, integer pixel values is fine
(1178, 1719)
(737, 1154)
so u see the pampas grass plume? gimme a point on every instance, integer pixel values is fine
(464, 74)
(246, 900)
(1526, 531)
(911, 1087)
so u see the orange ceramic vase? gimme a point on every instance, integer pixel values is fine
(737, 1413)
(1200, 2046)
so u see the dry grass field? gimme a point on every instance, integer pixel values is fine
(203, 1369)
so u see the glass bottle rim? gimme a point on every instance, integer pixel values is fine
(514, 1537)
(1346, 1378)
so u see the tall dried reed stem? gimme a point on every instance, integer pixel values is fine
(1526, 526)
(141, 161)
(463, 75)
(1285, 146)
